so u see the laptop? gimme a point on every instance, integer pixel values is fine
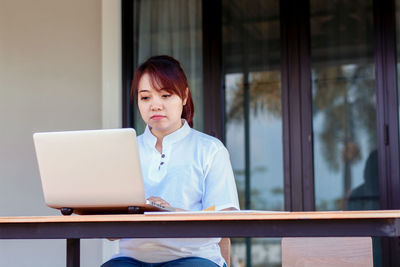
(92, 172)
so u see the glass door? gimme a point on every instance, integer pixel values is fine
(344, 107)
(253, 116)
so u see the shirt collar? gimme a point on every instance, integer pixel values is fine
(174, 137)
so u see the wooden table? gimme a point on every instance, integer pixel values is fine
(383, 223)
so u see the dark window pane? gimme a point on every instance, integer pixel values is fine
(398, 49)
(251, 64)
(344, 105)
(344, 108)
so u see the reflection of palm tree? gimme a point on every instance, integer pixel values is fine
(265, 94)
(345, 96)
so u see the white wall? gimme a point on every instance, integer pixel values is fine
(50, 79)
(111, 63)
(112, 81)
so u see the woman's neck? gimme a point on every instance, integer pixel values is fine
(160, 136)
(159, 145)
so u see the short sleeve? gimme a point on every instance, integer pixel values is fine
(219, 184)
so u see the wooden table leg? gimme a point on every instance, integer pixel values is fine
(73, 252)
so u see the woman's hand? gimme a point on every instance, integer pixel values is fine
(159, 201)
(162, 202)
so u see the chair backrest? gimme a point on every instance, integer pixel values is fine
(225, 246)
(327, 252)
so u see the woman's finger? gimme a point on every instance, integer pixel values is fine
(159, 201)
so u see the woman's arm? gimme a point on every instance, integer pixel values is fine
(219, 184)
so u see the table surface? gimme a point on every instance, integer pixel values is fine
(209, 216)
(384, 223)
(381, 223)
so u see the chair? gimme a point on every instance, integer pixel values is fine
(225, 246)
(327, 252)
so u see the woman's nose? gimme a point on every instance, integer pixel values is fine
(154, 108)
(156, 105)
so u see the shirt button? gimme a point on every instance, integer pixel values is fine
(161, 163)
(163, 155)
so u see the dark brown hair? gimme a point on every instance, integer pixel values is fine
(166, 73)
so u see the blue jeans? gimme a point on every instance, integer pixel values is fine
(183, 262)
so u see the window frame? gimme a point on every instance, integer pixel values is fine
(296, 93)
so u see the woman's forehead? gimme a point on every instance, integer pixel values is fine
(150, 80)
(151, 89)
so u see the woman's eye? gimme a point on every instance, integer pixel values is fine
(144, 98)
(166, 95)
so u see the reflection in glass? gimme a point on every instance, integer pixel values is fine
(345, 132)
(344, 101)
(266, 159)
(251, 64)
(235, 134)
(344, 107)
(265, 130)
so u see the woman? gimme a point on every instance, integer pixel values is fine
(182, 168)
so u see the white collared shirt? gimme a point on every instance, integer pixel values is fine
(193, 173)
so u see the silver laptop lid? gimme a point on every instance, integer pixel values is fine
(90, 169)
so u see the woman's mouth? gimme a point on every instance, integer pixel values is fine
(157, 117)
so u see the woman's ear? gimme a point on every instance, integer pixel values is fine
(186, 96)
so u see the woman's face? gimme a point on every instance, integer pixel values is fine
(159, 109)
